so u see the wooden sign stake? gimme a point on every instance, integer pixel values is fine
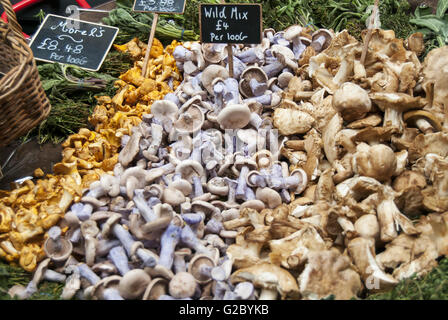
(229, 52)
(148, 49)
(230, 59)
(369, 33)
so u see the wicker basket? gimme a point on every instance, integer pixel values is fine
(23, 103)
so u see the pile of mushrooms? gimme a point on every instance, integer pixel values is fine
(298, 177)
(31, 209)
(373, 141)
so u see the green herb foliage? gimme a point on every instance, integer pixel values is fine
(71, 91)
(138, 24)
(433, 286)
(433, 26)
(11, 275)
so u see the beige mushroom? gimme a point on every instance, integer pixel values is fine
(271, 279)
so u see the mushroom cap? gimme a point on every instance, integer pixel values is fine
(234, 116)
(190, 168)
(263, 158)
(194, 267)
(367, 226)
(252, 72)
(411, 118)
(89, 228)
(51, 251)
(291, 121)
(155, 289)
(133, 284)
(351, 101)
(182, 185)
(160, 271)
(250, 176)
(218, 186)
(103, 284)
(292, 32)
(409, 179)
(204, 206)
(306, 41)
(173, 196)
(164, 109)
(329, 272)
(284, 78)
(210, 73)
(269, 196)
(190, 120)
(182, 285)
(282, 50)
(268, 276)
(254, 204)
(397, 100)
(378, 162)
(268, 30)
(241, 161)
(211, 54)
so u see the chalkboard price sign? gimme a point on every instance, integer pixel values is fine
(231, 23)
(160, 6)
(69, 41)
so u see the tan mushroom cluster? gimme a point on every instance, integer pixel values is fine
(372, 139)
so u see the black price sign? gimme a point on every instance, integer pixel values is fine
(70, 41)
(160, 6)
(231, 23)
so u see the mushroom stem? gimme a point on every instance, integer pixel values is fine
(251, 55)
(87, 273)
(128, 243)
(197, 187)
(112, 294)
(54, 276)
(286, 197)
(118, 257)
(218, 90)
(55, 234)
(424, 126)
(273, 69)
(318, 43)
(189, 238)
(298, 47)
(258, 88)
(76, 235)
(255, 120)
(242, 185)
(213, 226)
(257, 180)
(232, 190)
(168, 243)
(145, 210)
(268, 294)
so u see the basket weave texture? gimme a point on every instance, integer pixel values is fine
(23, 103)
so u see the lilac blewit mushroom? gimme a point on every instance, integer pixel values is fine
(251, 55)
(189, 238)
(168, 242)
(119, 258)
(131, 246)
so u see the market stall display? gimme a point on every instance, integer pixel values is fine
(307, 174)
